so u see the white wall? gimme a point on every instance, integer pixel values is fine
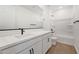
(46, 20)
(62, 21)
(76, 11)
(76, 28)
(63, 13)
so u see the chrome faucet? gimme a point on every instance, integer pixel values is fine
(22, 31)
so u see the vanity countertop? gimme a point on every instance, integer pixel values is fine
(17, 38)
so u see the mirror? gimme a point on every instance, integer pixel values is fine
(16, 16)
(7, 17)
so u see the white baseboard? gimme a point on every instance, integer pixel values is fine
(68, 43)
(65, 39)
(77, 50)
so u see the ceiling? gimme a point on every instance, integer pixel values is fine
(38, 9)
(58, 7)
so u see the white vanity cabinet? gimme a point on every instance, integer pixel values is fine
(34, 49)
(40, 47)
(37, 48)
(14, 49)
(46, 42)
(45, 45)
(36, 45)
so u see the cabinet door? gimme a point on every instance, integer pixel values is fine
(37, 48)
(34, 49)
(45, 45)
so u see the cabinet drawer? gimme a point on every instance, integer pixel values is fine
(19, 47)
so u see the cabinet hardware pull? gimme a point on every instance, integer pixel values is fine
(48, 39)
(32, 50)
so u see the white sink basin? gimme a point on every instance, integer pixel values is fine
(23, 36)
